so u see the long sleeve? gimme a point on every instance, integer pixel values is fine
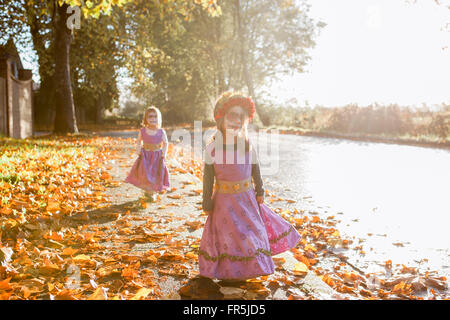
(165, 143)
(208, 183)
(256, 174)
(139, 145)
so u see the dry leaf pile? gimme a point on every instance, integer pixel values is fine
(51, 249)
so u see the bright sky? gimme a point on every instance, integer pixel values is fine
(385, 51)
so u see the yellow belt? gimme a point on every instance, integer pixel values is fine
(233, 186)
(152, 146)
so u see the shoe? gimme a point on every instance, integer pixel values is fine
(150, 196)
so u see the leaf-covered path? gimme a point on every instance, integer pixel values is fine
(159, 241)
(88, 235)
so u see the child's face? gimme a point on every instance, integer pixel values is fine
(234, 120)
(152, 119)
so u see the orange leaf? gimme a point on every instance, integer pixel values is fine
(388, 264)
(4, 284)
(191, 255)
(129, 273)
(65, 295)
(302, 258)
(327, 279)
(5, 295)
(398, 288)
(26, 292)
(53, 206)
(69, 251)
(99, 294)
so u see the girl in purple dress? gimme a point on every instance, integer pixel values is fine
(241, 233)
(149, 172)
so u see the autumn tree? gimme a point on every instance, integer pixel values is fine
(97, 57)
(60, 15)
(167, 65)
(246, 47)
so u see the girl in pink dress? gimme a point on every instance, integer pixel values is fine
(149, 172)
(241, 233)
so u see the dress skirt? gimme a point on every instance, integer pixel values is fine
(149, 172)
(240, 236)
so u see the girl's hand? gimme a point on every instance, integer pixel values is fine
(260, 199)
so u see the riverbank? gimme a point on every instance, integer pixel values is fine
(430, 142)
(420, 141)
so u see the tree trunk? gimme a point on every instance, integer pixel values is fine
(244, 59)
(44, 100)
(65, 121)
(219, 63)
(99, 111)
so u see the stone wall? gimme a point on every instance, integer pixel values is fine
(22, 113)
(16, 102)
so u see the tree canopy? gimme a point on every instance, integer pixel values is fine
(179, 55)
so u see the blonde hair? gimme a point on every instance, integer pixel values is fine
(158, 116)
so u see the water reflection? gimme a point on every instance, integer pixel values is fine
(402, 192)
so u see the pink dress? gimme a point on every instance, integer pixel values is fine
(149, 172)
(240, 236)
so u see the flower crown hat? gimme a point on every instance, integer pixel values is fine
(232, 99)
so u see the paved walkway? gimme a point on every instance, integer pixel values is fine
(164, 237)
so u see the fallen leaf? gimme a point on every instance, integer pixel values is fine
(4, 284)
(5, 254)
(99, 294)
(300, 269)
(142, 294)
(69, 251)
(232, 293)
(129, 273)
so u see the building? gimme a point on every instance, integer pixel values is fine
(16, 94)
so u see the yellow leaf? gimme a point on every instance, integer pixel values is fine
(82, 257)
(335, 234)
(151, 259)
(300, 269)
(191, 255)
(142, 294)
(53, 206)
(99, 294)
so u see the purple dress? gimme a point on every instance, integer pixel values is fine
(149, 172)
(240, 236)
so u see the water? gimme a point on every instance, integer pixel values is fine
(384, 194)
